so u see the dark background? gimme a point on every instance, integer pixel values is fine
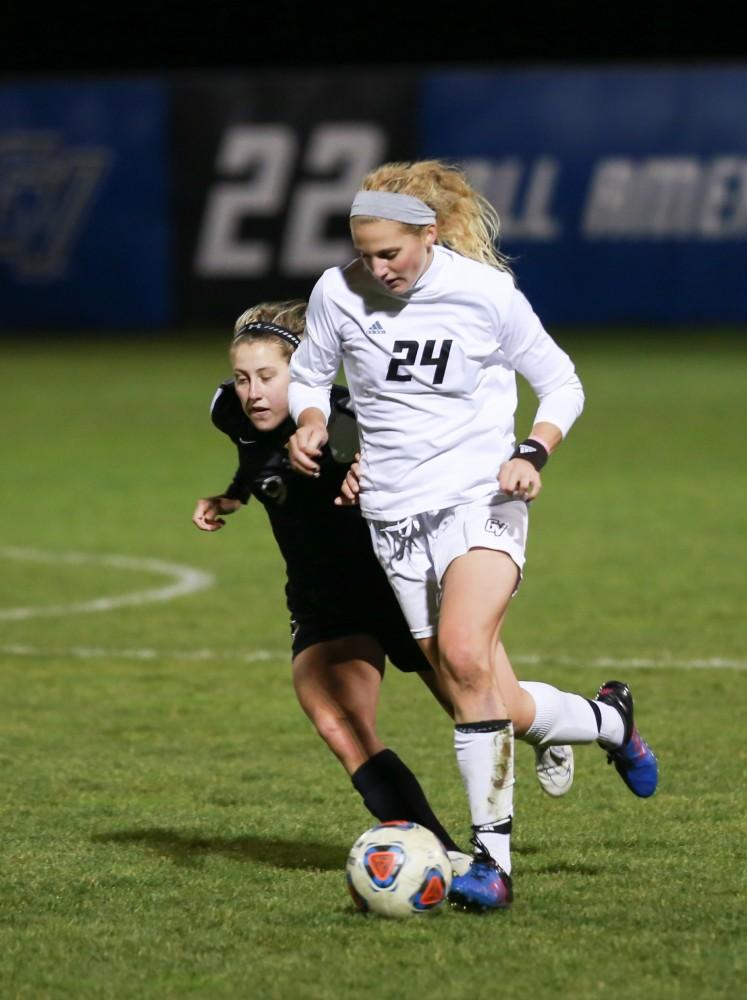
(105, 37)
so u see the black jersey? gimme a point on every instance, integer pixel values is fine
(335, 585)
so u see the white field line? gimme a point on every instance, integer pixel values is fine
(187, 580)
(184, 580)
(102, 653)
(255, 655)
(636, 662)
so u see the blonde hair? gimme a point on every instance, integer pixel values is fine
(467, 222)
(290, 315)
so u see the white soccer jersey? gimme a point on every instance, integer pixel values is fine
(431, 378)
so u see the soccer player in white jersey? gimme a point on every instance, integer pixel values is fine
(431, 329)
(345, 618)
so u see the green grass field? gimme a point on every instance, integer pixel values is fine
(171, 825)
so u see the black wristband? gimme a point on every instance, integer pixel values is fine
(533, 452)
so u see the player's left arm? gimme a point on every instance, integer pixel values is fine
(520, 475)
(351, 485)
(552, 375)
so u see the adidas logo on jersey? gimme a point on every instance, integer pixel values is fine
(376, 328)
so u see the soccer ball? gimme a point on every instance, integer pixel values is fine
(398, 869)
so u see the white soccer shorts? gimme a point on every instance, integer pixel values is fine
(416, 551)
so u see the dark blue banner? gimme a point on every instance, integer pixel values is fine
(158, 203)
(622, 192)
(84, 215)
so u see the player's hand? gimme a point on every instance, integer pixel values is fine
(305, 447)
(207, 515)
(351, 485)
(519, 479)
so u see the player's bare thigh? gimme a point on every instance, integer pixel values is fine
(337, 683)
(477, 589)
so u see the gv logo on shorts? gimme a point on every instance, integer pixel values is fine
(496, 527)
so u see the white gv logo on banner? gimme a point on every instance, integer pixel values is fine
(47, 189)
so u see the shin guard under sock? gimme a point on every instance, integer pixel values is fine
(391, 791)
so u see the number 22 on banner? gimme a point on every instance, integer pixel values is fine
(260, 160)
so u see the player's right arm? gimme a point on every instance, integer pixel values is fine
(209, 510)
(305, 446)
(313, 368)
(227, 415)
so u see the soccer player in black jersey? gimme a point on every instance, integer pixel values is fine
(345, 618)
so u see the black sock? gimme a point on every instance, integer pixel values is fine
(391, 791)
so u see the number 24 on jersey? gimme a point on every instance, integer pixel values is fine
(405, 355)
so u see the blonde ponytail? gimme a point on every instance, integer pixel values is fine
(467, 222)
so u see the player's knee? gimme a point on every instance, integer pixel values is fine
(467, 669)
(331, 726)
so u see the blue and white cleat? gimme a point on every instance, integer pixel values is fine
(460, 862)
(485, 886)
(634, 761)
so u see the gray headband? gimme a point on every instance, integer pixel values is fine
(397, 207)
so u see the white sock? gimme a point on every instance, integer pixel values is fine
(485, 755)
(612, 729)
(563, 717)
